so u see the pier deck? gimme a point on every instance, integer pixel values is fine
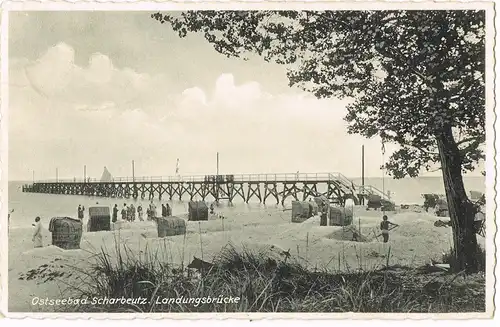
(299, 186)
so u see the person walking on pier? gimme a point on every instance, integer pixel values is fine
(37, 233)
(115, 213)
(139, 212)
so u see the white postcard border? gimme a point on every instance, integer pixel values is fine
(135, 5)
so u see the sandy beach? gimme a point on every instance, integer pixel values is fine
(51, 272)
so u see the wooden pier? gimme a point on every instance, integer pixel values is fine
(249, 187)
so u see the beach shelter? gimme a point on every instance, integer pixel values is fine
(430, 200)
(170, 226)
(338, 217)
(99, 219)
(374, 202)
(479, 222)
(197, 210)
(441, 207)
(301, 211)
(387, 205)
(66, 232)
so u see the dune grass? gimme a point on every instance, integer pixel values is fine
(264, 284)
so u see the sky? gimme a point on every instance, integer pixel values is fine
(103, 89)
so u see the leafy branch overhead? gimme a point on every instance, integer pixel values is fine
(412, 75)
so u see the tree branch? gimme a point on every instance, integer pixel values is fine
(418, 148)
(473, 138)
(473, 145)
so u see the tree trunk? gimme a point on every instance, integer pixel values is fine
(461, 210)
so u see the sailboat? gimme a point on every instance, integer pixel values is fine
(106, 176)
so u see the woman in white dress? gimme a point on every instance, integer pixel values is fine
(37, 233)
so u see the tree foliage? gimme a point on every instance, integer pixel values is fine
(411, 74)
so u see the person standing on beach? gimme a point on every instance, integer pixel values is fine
(385, 226)
(8, 217)
(324, 216)
(80, 212)
(129, 213)
(169, 210)
(152, 208)
(115, 213)
(139, 212)
(124, 212)
(163, 210)
(132, 212)
(37, 233)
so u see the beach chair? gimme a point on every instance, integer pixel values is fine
(197, 210)
(66, 232)
(481, 229)
(301, 211)
(374, 202)
(430, 200)
(387, 205)
(99, 219)
(479, 223)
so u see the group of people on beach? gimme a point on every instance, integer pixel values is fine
(128, 213)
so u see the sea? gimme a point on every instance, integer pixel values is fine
(27, 206)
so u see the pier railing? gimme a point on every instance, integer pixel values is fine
(201, 178)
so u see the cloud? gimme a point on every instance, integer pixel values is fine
(56, 76)
(229, 95)
(100, 70)
(66, 115)
(53, 72)
(193, 98)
